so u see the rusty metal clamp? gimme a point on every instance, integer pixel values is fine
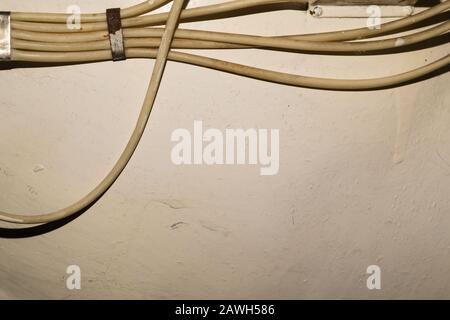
(115, 34)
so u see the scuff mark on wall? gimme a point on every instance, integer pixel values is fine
(404, 102)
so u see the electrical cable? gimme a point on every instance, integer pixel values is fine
(236, 7)
(137, 38)
(45, 38)
(239, 69)
(105, 184)
(133, 11)
(64, 33)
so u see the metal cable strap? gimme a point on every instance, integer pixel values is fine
(115, 34)
(5, 36)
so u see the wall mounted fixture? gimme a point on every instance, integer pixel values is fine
(361, 8)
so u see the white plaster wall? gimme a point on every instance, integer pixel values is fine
(364, 177)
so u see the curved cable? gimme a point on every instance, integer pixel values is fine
(240, 69)
(105, 184)
(37, 40)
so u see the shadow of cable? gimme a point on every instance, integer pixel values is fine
(19, 232)
(427, 3)
(9, 65)
(29, 232)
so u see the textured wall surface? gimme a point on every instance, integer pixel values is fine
(364, 177)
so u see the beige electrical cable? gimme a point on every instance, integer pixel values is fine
(149, 42)
(194, 14)
(33, 42)
(210, 40)
(345, 35)
(239, 69)
(158, 69)
(133, 11)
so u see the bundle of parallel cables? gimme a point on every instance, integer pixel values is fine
(46, 38)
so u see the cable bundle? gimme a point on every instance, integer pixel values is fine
(41, 37)
(45, 38)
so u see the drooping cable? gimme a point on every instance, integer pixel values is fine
(105, 184)
(45, 38)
